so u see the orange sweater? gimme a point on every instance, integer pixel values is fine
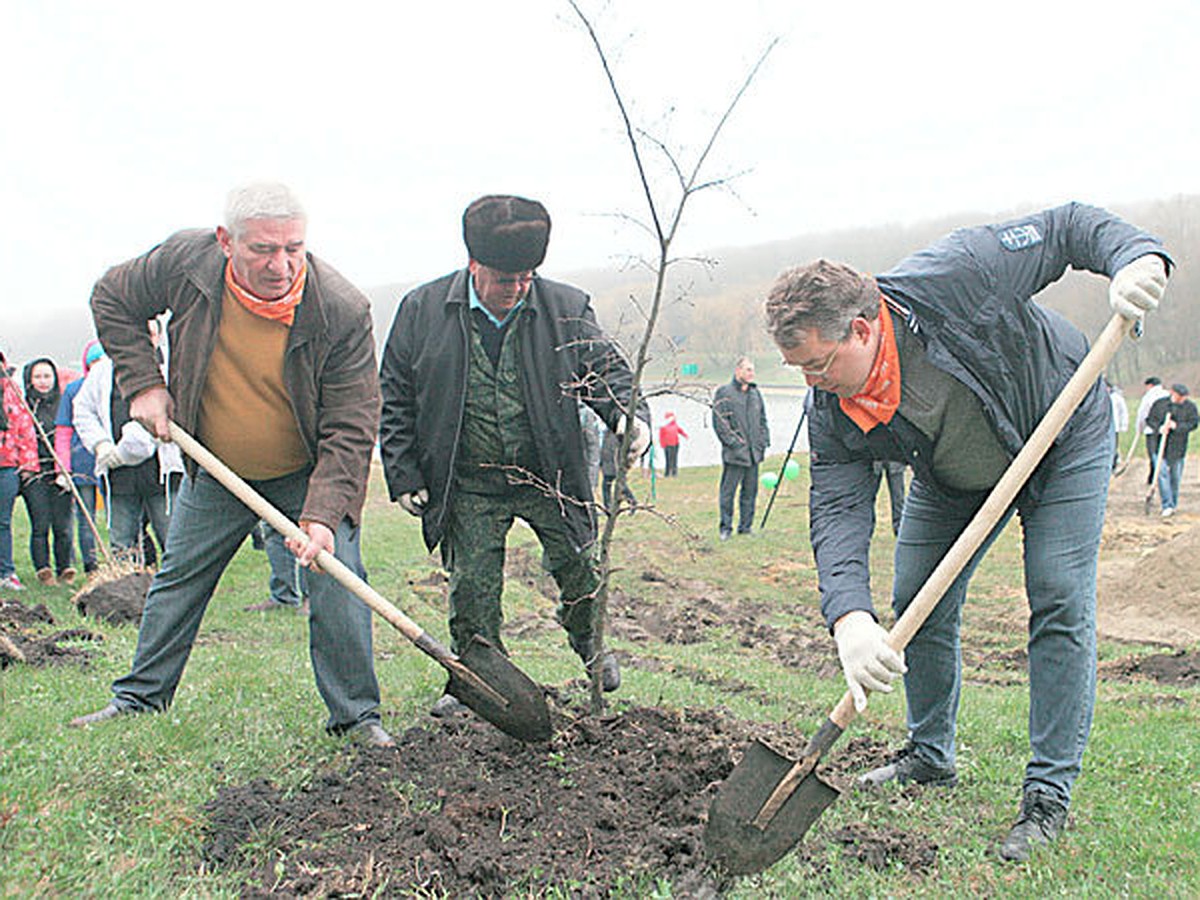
(246, 418)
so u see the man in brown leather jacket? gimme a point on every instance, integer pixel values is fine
(272, 366)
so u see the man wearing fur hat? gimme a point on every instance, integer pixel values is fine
(481, 374)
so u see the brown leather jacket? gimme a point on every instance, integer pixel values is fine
(329, 363)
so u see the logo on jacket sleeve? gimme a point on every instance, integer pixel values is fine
(1020, 237)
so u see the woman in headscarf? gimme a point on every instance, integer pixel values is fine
(48, 503)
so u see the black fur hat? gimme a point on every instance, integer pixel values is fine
(507, 233)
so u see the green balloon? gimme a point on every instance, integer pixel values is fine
(792, 470)
(769, 480)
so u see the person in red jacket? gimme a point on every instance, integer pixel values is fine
(668, 439)
(18, 453)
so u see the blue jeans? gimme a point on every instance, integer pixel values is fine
(1061, 540)
(734, 478)
(10, 486)
(125, 517)
(1170, 476)
(87, 540)
(207, 527)
(287, 583)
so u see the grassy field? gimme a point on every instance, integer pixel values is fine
(118, 810)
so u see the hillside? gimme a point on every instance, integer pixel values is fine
(712, 313)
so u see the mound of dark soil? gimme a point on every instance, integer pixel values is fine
(117, 600)
(51, 650)
(14, 612)
(459, 809)
(1179, 668)
(19, 624)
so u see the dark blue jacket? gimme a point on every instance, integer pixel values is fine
(968, 298)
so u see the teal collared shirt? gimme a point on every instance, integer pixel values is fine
(476, 304)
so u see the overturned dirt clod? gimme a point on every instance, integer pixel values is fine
(118, 600)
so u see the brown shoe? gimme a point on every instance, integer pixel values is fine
(45, 576)
(67, 575)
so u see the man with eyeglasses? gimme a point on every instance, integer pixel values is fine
(945, 362)
(482, 374)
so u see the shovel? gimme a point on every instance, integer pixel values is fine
(483, 678)
(1163, 431)
(769, 801)
(1120, 470)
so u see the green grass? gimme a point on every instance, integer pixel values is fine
(119, 811)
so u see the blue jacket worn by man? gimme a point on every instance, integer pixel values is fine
(946, 363)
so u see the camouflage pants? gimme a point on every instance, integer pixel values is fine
(473, 553)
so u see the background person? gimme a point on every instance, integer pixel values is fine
(739, 419)
(81, 463)
(480, 376)
(610, 468)
(894, 473)
(1120, 415)
(1182, 422)
(1152, 391)
(48, 502)
(18, 454)
(668, 438)
(140, 476)
(272, 366)
(902, 369)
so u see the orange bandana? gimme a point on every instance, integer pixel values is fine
(880, 396)
(281, 310)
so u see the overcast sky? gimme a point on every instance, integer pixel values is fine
(124, 121)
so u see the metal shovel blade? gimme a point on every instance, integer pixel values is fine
(486, 681)
(733, 840)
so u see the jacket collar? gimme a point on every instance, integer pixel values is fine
(459, 291)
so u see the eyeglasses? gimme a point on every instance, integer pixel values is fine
(819, 370)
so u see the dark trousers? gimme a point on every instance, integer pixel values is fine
(49, 512)
(734, 478)
(895, 482)
(672, 465)
(606, 489)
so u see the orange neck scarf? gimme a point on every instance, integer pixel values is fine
(281, 310)
(880, 396)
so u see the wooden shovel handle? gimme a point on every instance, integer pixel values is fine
(329, 563)
(1001, 497)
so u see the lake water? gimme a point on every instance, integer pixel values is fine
(701, 447)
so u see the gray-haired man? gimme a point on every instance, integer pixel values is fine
(273, 367)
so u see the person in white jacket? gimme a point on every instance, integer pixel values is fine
(1154, 391)
(139, 474)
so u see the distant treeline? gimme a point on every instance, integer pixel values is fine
(713, 312)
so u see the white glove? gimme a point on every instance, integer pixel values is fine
(63, 480)
(638, 443)
(868, 663)
(414, 503)
(106, 455)
(1138, 286)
